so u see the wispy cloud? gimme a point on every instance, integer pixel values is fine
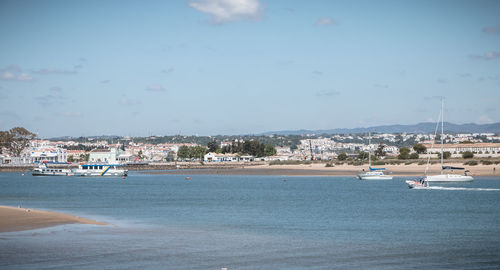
(50, 71)
(15, 73)
(50, 100)
(70, 114)
(378, 85)
(465, 75)
(223, 11)
(169, 70)
(441, 80)
(129, 101)
(105, 81)
(484, 119)
(317, 72)
(155, 88)
(56, 89)
(486, 56)
(327, 93)
(325, 21)
(491, 29)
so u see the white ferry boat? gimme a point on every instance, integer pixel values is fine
(116, 170)
(44, 170)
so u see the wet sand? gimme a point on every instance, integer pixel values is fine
(21, 219)
(319, 169)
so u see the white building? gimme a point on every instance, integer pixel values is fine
(104, 155)
(35, 154)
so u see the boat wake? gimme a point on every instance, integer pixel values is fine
(458, 188)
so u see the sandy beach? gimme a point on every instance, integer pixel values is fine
(319, 169)
(21, 219)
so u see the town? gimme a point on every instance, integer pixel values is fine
(25, 149)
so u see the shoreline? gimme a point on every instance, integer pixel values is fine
(319, 169)
(13, 219)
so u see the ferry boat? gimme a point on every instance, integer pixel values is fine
(116, 170)
(44, 170)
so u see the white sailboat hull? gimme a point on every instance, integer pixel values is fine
(449, 178)
(374, 176)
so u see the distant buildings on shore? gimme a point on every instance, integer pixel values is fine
(323, 148)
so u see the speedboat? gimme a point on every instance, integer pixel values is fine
(417, 183)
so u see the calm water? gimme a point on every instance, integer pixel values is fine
(253, 222)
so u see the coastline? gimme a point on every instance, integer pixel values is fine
(14, 219)
(319, 169)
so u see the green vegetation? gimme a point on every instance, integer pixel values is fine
(380, 150)
(404, 153)
(15, 140)
(342, 156)
(467, 154)
(413, 156)
(471, 163)
(363, 155)
(420, 148)
(446, 155)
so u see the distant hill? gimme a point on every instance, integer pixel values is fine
(417, 128)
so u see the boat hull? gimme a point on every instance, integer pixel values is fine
(449, 178)
(372, 177)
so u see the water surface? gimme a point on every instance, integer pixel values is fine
(254, 222)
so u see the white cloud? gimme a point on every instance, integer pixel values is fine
(223, 11)
(70, 114)
(129, 102)
(15, 73)
(155, 88)
(325, 93)
(486, 56)
(325, 21)
(484, 119)
(491, 29)
(48, 71)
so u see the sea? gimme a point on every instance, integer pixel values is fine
(161, 221)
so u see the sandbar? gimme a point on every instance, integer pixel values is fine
(319, 169)
(22, 219)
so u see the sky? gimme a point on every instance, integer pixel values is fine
(228, 67)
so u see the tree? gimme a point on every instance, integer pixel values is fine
(140, 154)
(212, 146)
(404, 153)
(363, 155)
(413, 156)
(342, 156)
(380, 150)
(269, 150)
(467, 154)
(446, 155)
(420, 148)
(5, 140)
(18, 139)
(183, 152)
(71, 158)
(197, 152)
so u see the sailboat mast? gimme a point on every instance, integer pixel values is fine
(369, 150)
(442, 133)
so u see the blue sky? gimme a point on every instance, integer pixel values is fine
(209, 67)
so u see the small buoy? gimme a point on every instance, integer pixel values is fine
(284, 180)
(123, 177)
(188, 178)
(22, 174)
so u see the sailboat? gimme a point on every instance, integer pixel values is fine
(373, 173)
(446, 174)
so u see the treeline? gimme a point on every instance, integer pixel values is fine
(252, 147)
